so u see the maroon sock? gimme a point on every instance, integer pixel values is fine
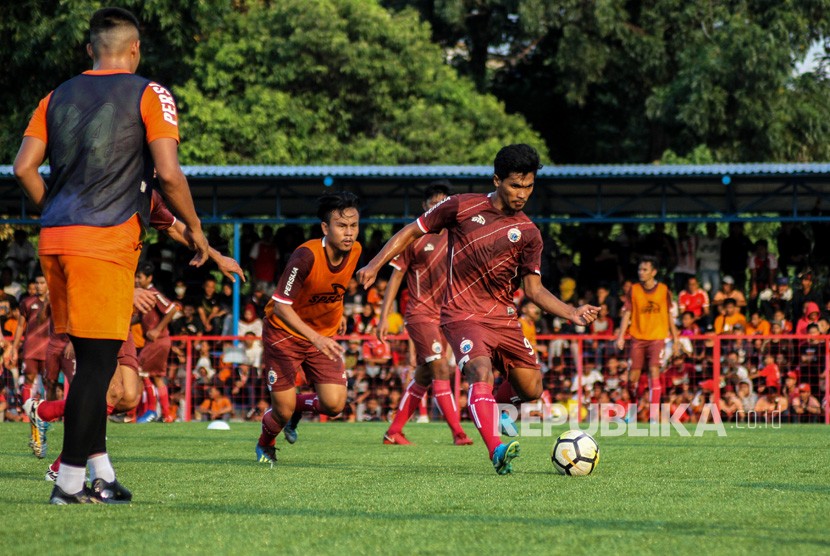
(506, 394)
(655, 394)
(270, 429)
(26, 392)
(485, 414)
(446, 402)
(307, 403)
(51, 411)
(56, 465)
(164, 399)
(411, 400)
(152, 401)
(110, 409)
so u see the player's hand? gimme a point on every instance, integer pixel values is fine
(366, 276)
(69, 351)
(382, 330)
(198, 242)
(585, 315)
(620, 343)
(143, 300)
(230, 268)
(10, 356)
(329, 347)
(152, 335)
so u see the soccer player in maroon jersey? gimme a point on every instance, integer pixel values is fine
(493, 247)
(424, 264)
(153, 356)
(304, 313)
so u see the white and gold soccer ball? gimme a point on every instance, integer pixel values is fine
(575, 453)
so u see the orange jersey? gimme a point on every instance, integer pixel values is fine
(649, 312)
(314, 288)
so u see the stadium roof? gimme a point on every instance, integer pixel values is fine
(608, 193)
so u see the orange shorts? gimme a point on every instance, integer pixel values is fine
(91, 298)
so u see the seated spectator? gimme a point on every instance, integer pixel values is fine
(747, 398)
(253, 350)
(353, 298)
(785, 325)
(777, 297)
(210, 309)
(730, 405)
(250, 322)
(771, 405)
(728, 291)
(805, 407)
(770, 374)
(790, 387)
(188, 324)
(366, 321)
(695, 300)
(731, 321)
(758, 325)
(679, 372)
(811, 357)
(807, 292)
(810, 315)
(216, 406)
(734, 372)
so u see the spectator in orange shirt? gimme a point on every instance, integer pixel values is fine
(216, 406)
(731, 321)
(758, 325)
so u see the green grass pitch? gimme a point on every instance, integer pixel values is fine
(340, 491)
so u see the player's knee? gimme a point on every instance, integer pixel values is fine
(478, 371)
(440, 370)
(332, 407)
(115, 392)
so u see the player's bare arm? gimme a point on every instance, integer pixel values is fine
(31, 155)
(153, 334)
(228, 266)
(395, 246)
(388, 298)
(10, 357)
(626, 320)
(292, 320)
(541, 296)
(177, 194)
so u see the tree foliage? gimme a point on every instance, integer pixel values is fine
(624, 81)
(289, 82)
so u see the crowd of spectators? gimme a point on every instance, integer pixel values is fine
(722, 284)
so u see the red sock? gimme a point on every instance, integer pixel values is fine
(26, 391)
(56, 465)
(411, 400)
(152, 400)
(655, 393)
(164, 399)
(51, 411)
(131, 414)
(307, 403)
(506, 394)
(446, 402)
(270, 429)
(485, 414)
(110, 409)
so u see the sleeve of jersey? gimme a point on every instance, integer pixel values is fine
(532, 254)
(291, 281)
(163, 304)
(401, 262)
(158, 111)
(440, 216)
(37, 125)
(160, 216)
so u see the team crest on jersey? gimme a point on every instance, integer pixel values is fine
(514, 234)
(272, 377)
(466, 346)
(429, 247)
(511, 311)
(436, 347)
(478, 218)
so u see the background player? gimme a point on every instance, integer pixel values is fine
(424, 264)
(647, 309)
(153, 356)
(493, 246)
(304, 313)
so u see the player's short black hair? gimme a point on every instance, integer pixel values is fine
(146, 268)
(336, 202)
(518, 159)
(438, 187)
(107, 19)
(650, 259)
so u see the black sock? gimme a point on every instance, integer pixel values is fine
(85, 419)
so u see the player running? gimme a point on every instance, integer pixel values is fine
(493, 247)
(424, 264)
(304, 313)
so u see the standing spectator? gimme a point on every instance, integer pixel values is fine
(9, 285)
(353, 299)
(777, 298)
(811, 357)
(708, 257)
(659, 244)
(696, 300)
(259, 299)
(21, 256)
(265, 259)
(763, 266)
(685, 248)
(770, 374)
(793, 247)
(733, 255)
(210, 308)
(729, 291)
(647, 311)
(628, 248)
(807, 292)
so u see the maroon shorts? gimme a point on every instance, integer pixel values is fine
(56, 363)
(428, 340)
(34, 365)
(283, 354)
(153, 357)
(127, 354)
(646, 353)
(505, 346)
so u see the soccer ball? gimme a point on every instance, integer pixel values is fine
(575, 453)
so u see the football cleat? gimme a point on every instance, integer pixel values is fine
(507, 426)
(38, 428)
(290, 428)
(111, 493)
(147, 417)
(85, 496)
(461, 439)
(51, 474)
(503, 455)
(266, 454)
(396, 438)
(422, 419)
